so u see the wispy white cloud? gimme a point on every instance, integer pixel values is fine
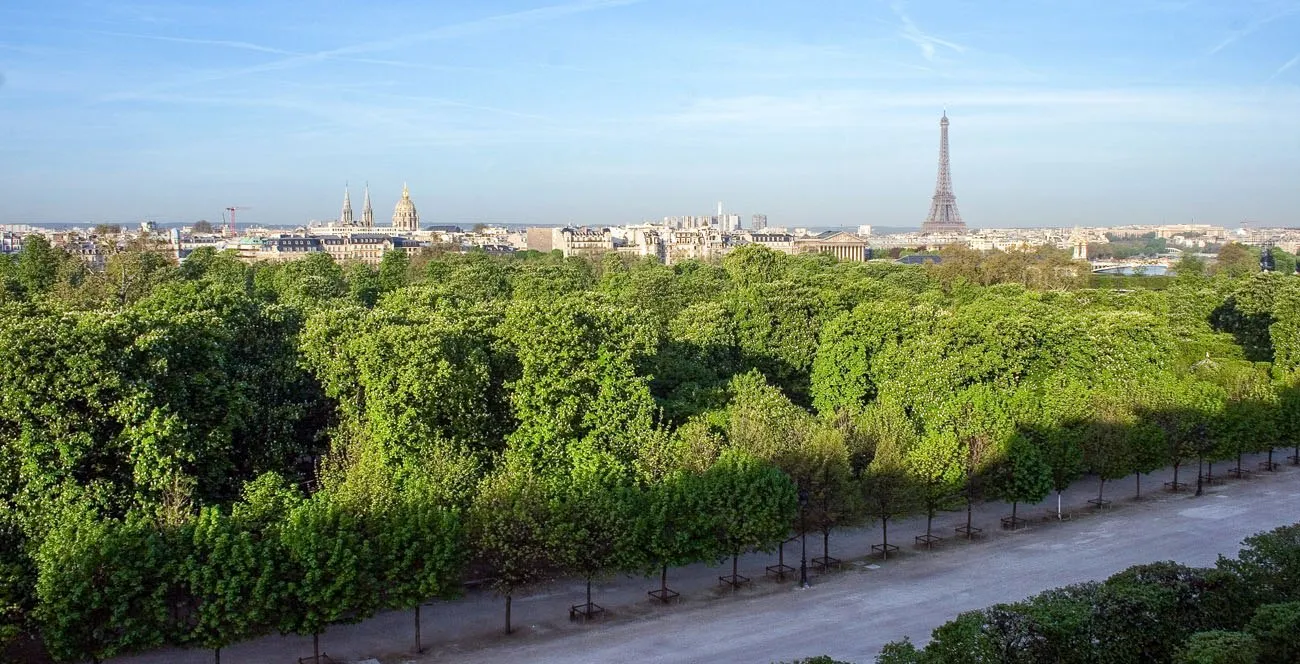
(841, 109)
(239, 45)
(259, 48)
(1253, 26)
(477, 27)
(926, 42)
(1285, 67)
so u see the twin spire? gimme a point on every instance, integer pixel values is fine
(367, 214)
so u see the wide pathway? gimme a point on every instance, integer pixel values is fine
(847, 614)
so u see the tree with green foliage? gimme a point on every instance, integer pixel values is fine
(696, 359)
(594, 523)
(842, 374)
(1107, 445)
(511, 532)
(234, 568)
(1189, 267)
(1276, 628)
(1284, 262)
(37, 266)
(673, 527)
(934, 465)
(1179, 409)
(1219, 647)
(1247, 313)
(1248, 421)
(1236, 260)
(822, 466)
(331, 552)
(104, 586)
(751, 504)
(311, 282)
(754, 264)
(421, 548)
(363, 284)
(394, 270)
(578, 379)
(1269, 564)
(777, 326)
(1284, 332)
(881, 467)
(1021, 476)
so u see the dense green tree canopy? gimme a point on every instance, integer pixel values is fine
(331, 440)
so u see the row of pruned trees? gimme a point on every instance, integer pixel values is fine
(278, 560)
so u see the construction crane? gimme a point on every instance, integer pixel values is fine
(230, 229)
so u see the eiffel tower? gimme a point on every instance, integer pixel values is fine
(944, 217)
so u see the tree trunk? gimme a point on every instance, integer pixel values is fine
(1176, 475)
(315, 648)
(419, 647)
(734, 576)
(968, 514)
(884, 532)
(780, 555)
(589, 592)
(826, 546)
(1014, 504)
(663, 579)
(929, 521)
(508, 628)
(1270, 459)
(1139, 484)
(216, 653)
(1101, 487)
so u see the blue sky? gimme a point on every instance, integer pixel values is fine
(597, 112)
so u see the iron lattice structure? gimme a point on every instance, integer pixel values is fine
(944, 217)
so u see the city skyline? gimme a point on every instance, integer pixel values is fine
(606, 112)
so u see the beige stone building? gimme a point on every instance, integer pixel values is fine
(582, 241)
(842, 245)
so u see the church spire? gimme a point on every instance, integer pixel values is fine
(367, 214)
(345, 219)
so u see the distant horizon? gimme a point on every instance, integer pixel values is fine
(875, 230)
(600, 111)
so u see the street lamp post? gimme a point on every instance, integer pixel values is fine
(1200, 473)
(803, 539)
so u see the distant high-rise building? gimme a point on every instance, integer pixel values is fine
(944, 217)
(405, 218)
(758, 222)
(345, 219)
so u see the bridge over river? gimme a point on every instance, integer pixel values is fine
(1148, 266)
